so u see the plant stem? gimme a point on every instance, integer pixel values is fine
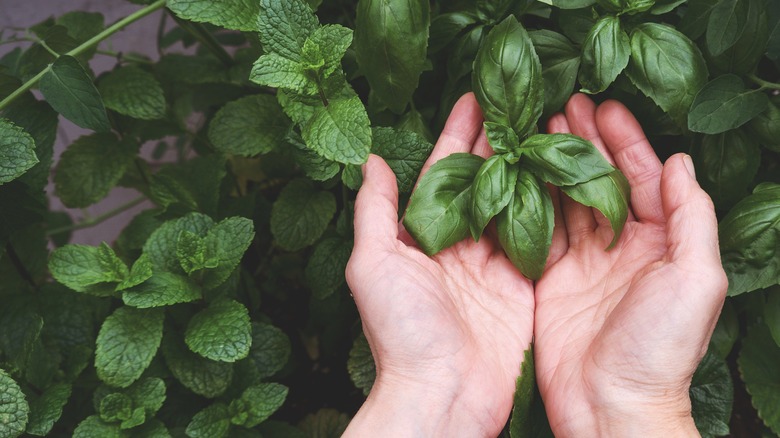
(20, 268)
(763, 83)
(321, 91)
(97, 219)
(86, 45)
(205, 38)
(125, 56)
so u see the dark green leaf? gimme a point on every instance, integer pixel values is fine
(726, 332)
(725, 103)
(749, 241)
(604, 55)
(712, 394)
(694, 22)
(200, 375)
(772, 312)
(563, 159)
(257, 403)
(726, 165)
(461, 56)
(525, 226)
(726, 24)
(493, 10)
(560, 64)
(391, 41)
(491, 192)
(766, 127)
(68, 88)
(340, 131)
(577, 23)
(503, 140)
(17, 151)
(162, 289)
(327, 263)
(758, 368)
(361, 366)
(744, 55)
(13, 407)
(232, 14)
(47, 409)
(325, 423)
(212, 422)
(404, 151)
(667, 67)
(445, 27)
(227, 241)
(522, 421)
(161, 245)
(507, 79)
(39, 120)
(133, 92)
(438, 212)
(82, 266)
(323, 50)
(270, 349)
(276, 71)
(301, 214)
(220, 332)
(569, 4)
(284, 26)
(610, 194)
(93, 427)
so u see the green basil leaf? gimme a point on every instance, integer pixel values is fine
(743, 56)
(507, 78)
(667, 67)
(604, 55)
(438, 212)
(461, 56)
(502, 139)
(758, 368)
(493, 10)
(68, 88)
(726, 24)
(749, 244)
(577, 23)
(445, 27)
(609, 194)
(391, 43)
(569, 4)
(771, 313)
(563, 159)
(560, 63)
(694, 22)
(766, 127)
(726, 165)
(525, 226)
(712, 394)
(723, 104)
(726, 331)
(665, 6)
(491, 192)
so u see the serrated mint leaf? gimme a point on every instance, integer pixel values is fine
(404, 151)
(39, 120)
(161, 245)
(68, 88)
(93, 427)
(152, 429)
(212, 422)
(326, 423)
(192, 252)
(232, 14)
(724, 104)
(340, 131)
(325, 270)
(325, 47)
(13, 407)
(758, 368)
(133, 92)
(115, 407)
(227, 241)
(139, 272)
(91, 167)
(162, 289)
(195, 184)
(220, 332)
(249, 126)
(81, 266)
(47, 409)
(361, 366)
(352, 176)
(300, 214)
(270, 349)
(313, 165)
(257, 403)
(712, 394)
(126, 344)
(17, 151)
(70, 320)
(148, 394)
(284, 26)
(20, 329)
(200, 375)
(137, 417)
(276, 71)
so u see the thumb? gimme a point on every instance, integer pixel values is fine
(376, 207)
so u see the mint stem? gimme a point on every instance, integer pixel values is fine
(97, 219)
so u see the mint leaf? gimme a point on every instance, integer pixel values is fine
(47, 409)
(192, 252)
(91, 167)
(13, 407)
(195, 184)
(404, 151)
(115, 407)
(212, 422)
(712, 394)
(148, 394)
(249, 126)
(139, 272)
(200, 375)
(361, 366)
(284, 26)
(325, 270)
(325, 47)
(300, 214)
(126, 344)
(232, 14)
(133, 92)
(758, 368)
(315, 166)
(227, 241)
(68, 88)
(220, 332)
(20, 329)
(270, 349)
(161, 245)
(257, 403)
(724, 104)
(276, 71)
(93, 427)
(17, 151)
(81, 266)
(40, 121)
(162, 289)
(325, 423)
(340, 131)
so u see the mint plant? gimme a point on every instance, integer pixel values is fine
(221, 310)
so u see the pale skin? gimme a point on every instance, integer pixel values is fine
(617, 334)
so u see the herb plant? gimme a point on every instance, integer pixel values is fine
(222, 310)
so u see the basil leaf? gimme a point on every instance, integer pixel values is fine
(490, 192)
(604, 55)
(563, 159)
(694, 22)
(725, 165)
(726, 24)
(461, 57)
(766, 127)
(609, 194)
(560, 63)
(743, 56)
(507, 78)
(723, 104)
(445, 27)
(758, 368)
(437, 216)
(749, 244)
(569, 4)
(667, 67)
(391, 43)
(492, 10)
(502, 139)
(525, 226)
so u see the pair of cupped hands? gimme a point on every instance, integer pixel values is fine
(617, 334)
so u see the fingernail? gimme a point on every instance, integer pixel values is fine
(689, 166)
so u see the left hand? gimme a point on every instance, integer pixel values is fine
(447, 332)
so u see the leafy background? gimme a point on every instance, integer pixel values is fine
(222, 309)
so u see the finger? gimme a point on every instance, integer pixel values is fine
(376, 208)
(692, 227)
(461, 130)
(481, 146)
(635, 157)
(578, 218)
(581, 115)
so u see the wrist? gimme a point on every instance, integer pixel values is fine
(645, 422)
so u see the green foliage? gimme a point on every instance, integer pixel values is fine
(222, 309)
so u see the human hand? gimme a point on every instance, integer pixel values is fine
(619, 333)
(447, 332)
